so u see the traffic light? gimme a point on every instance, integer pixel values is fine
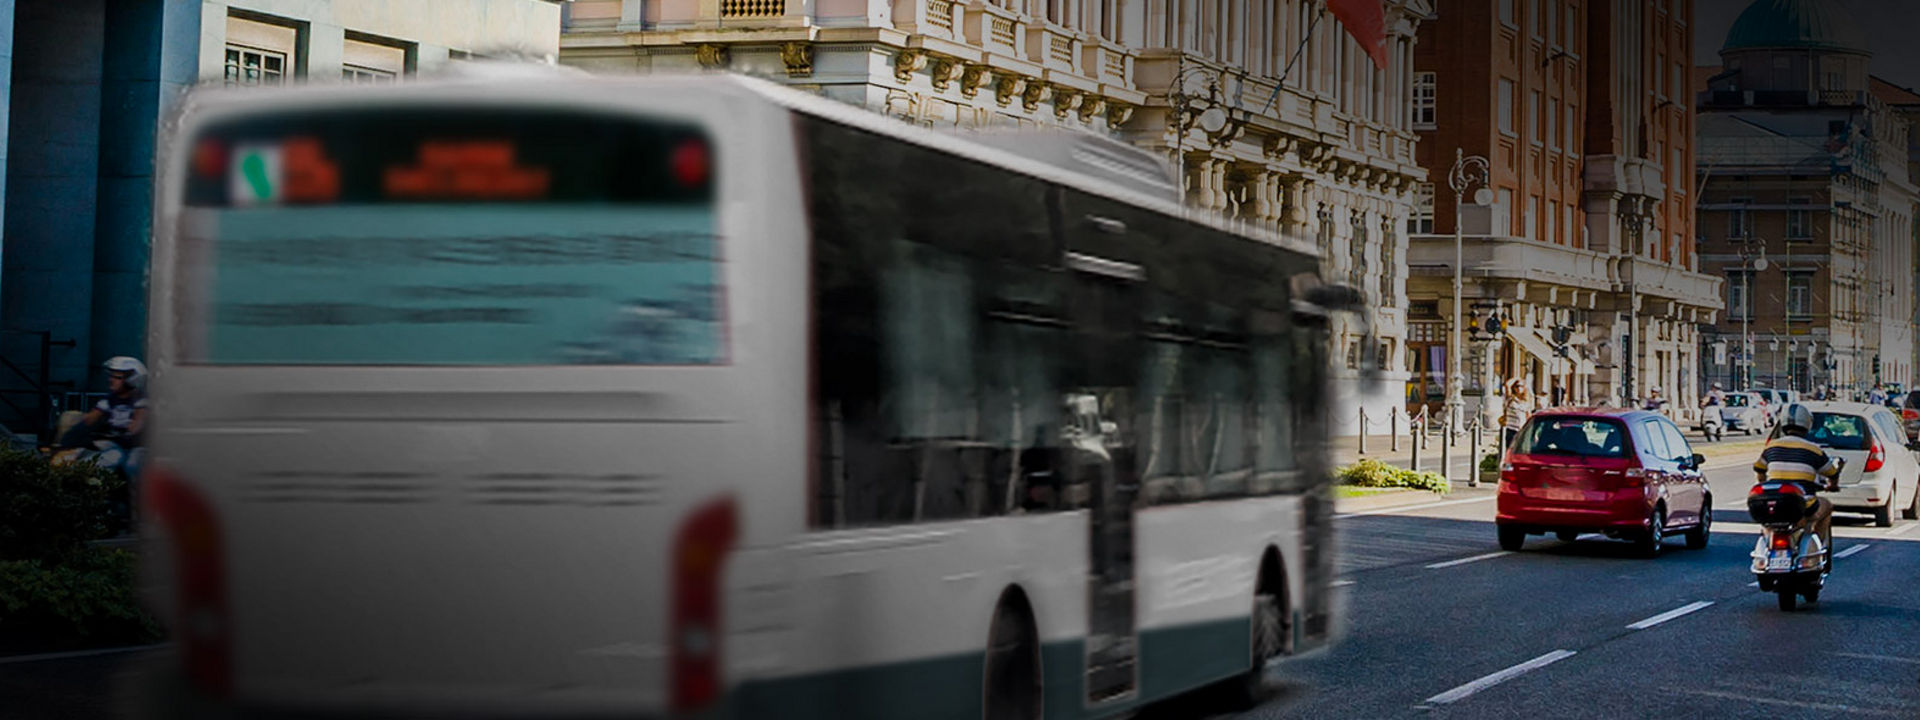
(1876, 365)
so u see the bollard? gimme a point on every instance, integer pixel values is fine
(1393, 430)
(1363, 431)
(1417, 429)
(1446, 452)
(1473, 457)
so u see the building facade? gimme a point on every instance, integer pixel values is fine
(84, 92)
(1808, 208)
(1580, 273)
(1306, 136)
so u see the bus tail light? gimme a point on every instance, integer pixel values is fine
(201, 613)
(699, 561)
(1876, 458)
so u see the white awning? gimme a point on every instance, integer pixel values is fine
(1536, 345)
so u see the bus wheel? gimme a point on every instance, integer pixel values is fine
(1013, 662)
(1267, 634)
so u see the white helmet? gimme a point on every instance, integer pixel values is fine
(135, 371)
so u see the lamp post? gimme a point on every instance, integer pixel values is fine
(1213, 116)
(1753, 259)
(1467, 172)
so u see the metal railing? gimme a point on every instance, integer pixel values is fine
(1422, 429)
(36, 402)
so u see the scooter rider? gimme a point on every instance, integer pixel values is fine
(1793, 458)
(118, 418)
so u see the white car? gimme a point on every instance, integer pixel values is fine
(1881, 473)
(1742, 414)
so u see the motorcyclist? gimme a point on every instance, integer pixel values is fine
(117, 419)
(1792, 457)
(1715, 397)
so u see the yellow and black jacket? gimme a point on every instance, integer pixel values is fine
(1791, 457)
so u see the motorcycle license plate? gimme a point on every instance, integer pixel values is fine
(1779, 560)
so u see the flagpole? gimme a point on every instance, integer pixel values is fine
(1288, 70)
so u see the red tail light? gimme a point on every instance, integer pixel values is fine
(1636, 476)
(1910, 414)
(699, 561)
(201, 615)
(1782, 541)
(1787, 488)
(1876, 458)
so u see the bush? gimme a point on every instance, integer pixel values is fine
(1490, 463)
(48, 512)
(85, 599)
(1377, 474)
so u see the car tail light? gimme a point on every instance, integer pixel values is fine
(201, 614)
(699, 560)
(1636, 476)
(1876, 458)
(1782, 541)
(1910, 414)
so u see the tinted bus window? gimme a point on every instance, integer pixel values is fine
(452, 236)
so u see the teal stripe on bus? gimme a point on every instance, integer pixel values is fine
(1172, 661)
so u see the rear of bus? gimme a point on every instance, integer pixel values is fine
(448, 381)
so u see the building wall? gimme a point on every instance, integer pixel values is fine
(1322, 148)
(319, 38)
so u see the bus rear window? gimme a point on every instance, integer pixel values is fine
(457, 236)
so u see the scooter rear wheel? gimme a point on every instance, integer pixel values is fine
(1787, 598)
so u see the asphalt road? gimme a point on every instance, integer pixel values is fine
(1442, 624)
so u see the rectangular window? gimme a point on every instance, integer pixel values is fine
(1799, 221)
(1737, 289)
(1552, 127)
(1553, 18)
(352, 73)
(359, 237)
(1800, 295)
(1506, 108)
(1535, 17)
(255, 66)
(1420, 222)
(1573, 30)
(1426, 92)
(1534, 130)
(1551, 222)
(1738, 225)
(1506, 13)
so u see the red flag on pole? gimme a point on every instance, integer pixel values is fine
(1366, 21)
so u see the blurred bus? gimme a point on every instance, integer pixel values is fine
(668, 397)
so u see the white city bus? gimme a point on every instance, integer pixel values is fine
(699, 396)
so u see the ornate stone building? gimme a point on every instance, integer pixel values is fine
(1585, 255)
(1805, 164)
(1274, 116)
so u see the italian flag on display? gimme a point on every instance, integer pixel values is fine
(1366, 21)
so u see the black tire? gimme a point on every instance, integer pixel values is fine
(1913, 508)
(1511, 538)
(1787, 597)
(1812, 594)
(1698, 536)
(1012, 684)
(1654, 539)
(1268, 641)
(1883, 515)
(1567, 536)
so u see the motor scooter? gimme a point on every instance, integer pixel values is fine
(1789, 560)
(1711, 425)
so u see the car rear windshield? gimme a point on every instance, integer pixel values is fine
(1737, 401)
(1840, 432)
(1576, 436)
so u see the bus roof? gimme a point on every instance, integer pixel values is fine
(551, 85)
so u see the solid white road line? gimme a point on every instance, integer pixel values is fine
(1342, 583)
(77, 654)
(1670, 614)
(1422, 506)
(1461, 693)
(1882, 658)
(1463, 561)
(1910, 527)
(1849, 552)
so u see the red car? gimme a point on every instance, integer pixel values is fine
(1627, 474)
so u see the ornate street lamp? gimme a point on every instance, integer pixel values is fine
(1468, 172)
(1206, 109)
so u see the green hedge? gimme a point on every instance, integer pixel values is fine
(1376, 474)
(57, 592)
(85, 599)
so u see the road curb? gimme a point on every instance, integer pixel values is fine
(1397, 498)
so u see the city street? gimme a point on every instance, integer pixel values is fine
(1442, 624)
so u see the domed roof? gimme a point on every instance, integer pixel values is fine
(1795, 25)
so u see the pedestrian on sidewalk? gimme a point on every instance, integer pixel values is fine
(1519, 405)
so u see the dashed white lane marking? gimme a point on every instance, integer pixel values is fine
(1462, 692)
(1342, 583)
(1671, 614)
(1407, 508)
(1910, 527)
(1855, 550)
(1882, 658)
(1463, 561)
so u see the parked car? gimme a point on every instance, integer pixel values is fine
(1910, 414)
(1772, 402)
(1628, 474)
(1743, 413)
(1881, 473)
